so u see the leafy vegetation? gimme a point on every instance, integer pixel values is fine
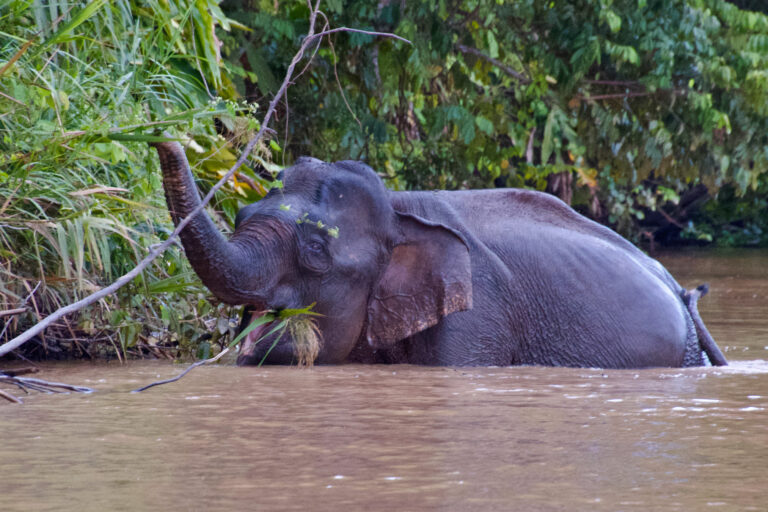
(83, 87)
(623, 107)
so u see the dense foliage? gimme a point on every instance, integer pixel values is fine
(634, 110)
(81, 87)
(636, 99)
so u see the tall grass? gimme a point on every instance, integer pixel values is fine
(83, 85)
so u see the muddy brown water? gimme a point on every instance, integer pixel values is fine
(394, 438)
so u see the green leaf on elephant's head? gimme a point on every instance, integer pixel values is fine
(288, 312)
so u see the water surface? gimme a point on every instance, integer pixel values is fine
(412, 438)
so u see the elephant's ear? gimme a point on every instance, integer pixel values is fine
(428, 276)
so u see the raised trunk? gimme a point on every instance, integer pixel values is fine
(223, 266)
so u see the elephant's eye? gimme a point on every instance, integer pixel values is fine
(314, 256)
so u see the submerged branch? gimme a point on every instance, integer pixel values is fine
(10, 397)
(19, 371)
(28, 383)
(179, 376)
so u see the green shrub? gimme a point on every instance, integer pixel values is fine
(83, 86)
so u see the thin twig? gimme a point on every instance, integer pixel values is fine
(358, 31)
(496, 62)
(179, 376)
(11, 312)
(629, 94)
(314, 52)
(20, 371)
(5, 327)
(529, 147)
(10, 397)
(159, 249)
(341, 88)
(12, 99)
(31, 297)
(669, 218)
(617, 83)
(248, 181)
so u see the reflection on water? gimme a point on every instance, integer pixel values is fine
(411, 438)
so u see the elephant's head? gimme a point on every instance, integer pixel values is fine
(330, 236)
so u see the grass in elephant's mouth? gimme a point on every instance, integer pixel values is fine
(306, 338)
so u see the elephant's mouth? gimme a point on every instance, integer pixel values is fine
(250, 347)
(295, 340)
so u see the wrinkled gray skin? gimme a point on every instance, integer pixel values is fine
(486, 277)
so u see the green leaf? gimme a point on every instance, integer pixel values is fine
(467, 130)
(493, 45)
(613, 20)
(184, 282)
(288, 312)
(583, 58)
(77, 19)
(484, 124)
(263, 319)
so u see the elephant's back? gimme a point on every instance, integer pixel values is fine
(500, 219)
(602, 295)
(575, 287)
(489, 212)
(495, 215)
(598, 299)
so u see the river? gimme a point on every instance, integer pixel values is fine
(392, 438)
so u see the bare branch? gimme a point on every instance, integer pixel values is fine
(506, 69)
(338, 82)
(358, 31)
(19, 371)
(624, 95)
(179, 376)
(23, 304)
(12, 99)
(10, 397)
(617, 83)
(248, 181)
(11, 312)
(42, 385)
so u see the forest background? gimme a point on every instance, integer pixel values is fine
(650, 116)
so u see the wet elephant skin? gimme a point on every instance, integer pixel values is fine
(483, 277)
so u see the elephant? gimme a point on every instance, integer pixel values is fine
(497, 277)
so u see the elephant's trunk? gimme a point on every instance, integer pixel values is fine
(225, 268)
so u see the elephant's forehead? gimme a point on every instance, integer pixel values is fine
(315, 190)
(321, 182)
(303, 179)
